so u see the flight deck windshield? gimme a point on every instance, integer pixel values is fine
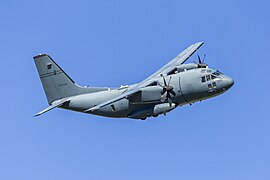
(217, 73)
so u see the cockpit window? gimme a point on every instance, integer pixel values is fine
(217, 72)
(213, 76)
(208, 77)
(203, 79)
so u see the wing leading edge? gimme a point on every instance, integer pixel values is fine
(178, 60)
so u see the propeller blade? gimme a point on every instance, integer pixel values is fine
(199, 58)
(163, 97)
(165, 84)
(173, 93)
(168, 95)
(163, 91)
(167, 91)
(169, 80)
(170, 102)
(203, 57)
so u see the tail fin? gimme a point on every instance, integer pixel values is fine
(56, 83)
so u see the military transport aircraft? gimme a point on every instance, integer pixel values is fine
(175, 84)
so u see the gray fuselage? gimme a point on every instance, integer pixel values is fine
(189, 86)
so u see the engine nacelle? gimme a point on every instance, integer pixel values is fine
(186, 67)
(147, 94)
(152, 111)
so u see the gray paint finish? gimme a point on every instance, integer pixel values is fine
(175, 84)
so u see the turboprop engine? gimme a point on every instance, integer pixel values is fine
(152, 111)
(189, 66)
(186, 67)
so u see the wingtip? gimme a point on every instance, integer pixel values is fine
(200, 42)
(35, 115)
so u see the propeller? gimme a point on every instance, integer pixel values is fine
(201, 63)
(167, 91)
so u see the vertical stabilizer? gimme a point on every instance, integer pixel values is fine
(56, 83)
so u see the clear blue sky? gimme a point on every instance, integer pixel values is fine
(113, 43)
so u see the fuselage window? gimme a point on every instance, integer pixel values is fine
(203, 79)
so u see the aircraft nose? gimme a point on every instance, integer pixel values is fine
(228, 82)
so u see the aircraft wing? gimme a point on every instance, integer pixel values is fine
(178, 60)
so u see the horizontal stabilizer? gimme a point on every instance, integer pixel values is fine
(54, 105)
